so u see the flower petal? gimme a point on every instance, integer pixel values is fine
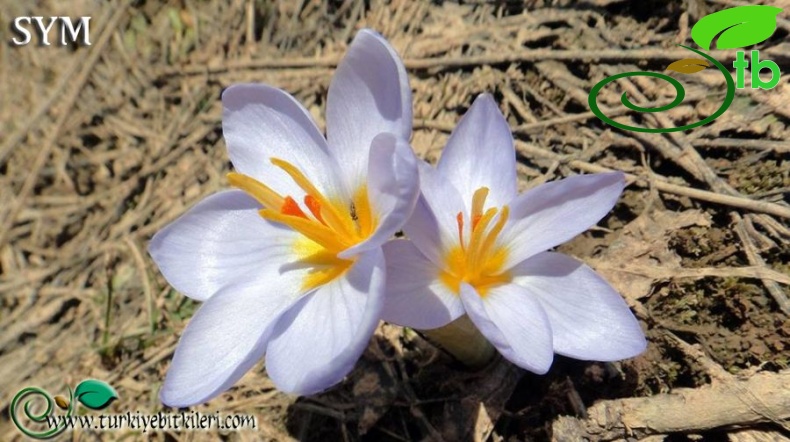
(219, 241)
(552, 213)
(415, 296)
(480, 153)
(514, 322)
(369, 94)
(433, 226)
(225, 338)
(261, 122)
(319, 340)
(589, 319)
(393, 188)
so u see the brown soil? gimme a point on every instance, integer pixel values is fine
(103, 145)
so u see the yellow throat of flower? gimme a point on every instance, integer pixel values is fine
(327, 227)
(480, 260)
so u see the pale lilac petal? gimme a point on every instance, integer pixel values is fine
(589, 319)
(480, 153)
(552, 213)
(226, 337)
(319, 340)
(216, 243)
(514, 322)
(261, 122)
(415, 296)
(369, 94)
(393, 187)
(433, 226)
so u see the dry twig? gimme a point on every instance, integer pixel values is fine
(754, 258)
(683, 410)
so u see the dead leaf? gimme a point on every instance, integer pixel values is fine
(688, 65)
(644, 243)
(641, 256)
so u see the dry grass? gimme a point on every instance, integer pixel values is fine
(102, 146)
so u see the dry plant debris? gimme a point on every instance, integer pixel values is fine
(102, 145)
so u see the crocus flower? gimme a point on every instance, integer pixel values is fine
(478, 248)
(290, 265)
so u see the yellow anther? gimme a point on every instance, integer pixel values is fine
(479, 262)
(478, 234)
(262, 193)
(315, 231)
(333, 219)
(333, 227)
(490, 239)
(297, 176)
(478, 203)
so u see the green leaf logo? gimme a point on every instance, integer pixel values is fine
(94, 394)
(736, 27)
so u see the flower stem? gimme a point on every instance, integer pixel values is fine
(463, 340)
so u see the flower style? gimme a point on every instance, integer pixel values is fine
(291, 265)
(478, 248)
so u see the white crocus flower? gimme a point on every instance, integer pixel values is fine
(291, 265)
(478, 248)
